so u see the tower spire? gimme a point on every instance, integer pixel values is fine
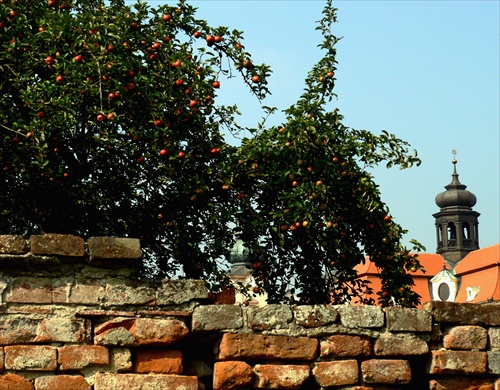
(456, 222)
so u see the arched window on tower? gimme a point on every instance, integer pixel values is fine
(466, 231)
(452, 234)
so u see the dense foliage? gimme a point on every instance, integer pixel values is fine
(109, 126)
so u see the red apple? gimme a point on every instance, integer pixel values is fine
(166, 18)
(210, 39)
(78, 58)
(217, 39)
(181, 155)
(197, 34)
(256, 78)
(156, 45)
(40, 114)
(177, 63)
(140, 160)
(49, 60)
(158, 122)
(110, 116)
(163, 152)
(193, 103)
(216, 84)
(59, 79)
(100, 117)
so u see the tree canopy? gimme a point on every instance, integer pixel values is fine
(109, 125)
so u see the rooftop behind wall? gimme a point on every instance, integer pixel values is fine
(73, 315)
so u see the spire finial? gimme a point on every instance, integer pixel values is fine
(454, 161)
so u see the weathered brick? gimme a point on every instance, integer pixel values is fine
(17, 330)
(345, 345)
(113, 251)
(336, 373)
(400, 319)
(466, 337)
(58, 245)
(232, 375)
(176, 292)
(269, 317)
(494, 337)
(458, 362)
(85, 292)
(256, 346)
(152, 331)
(361, 316)
(161, 361)
(116, 332)
(121, 359)
(398, 346)
(62, 330)
(273, 376)
(13, 245)
(76, 357)
(217, 317)
(1, 359)
(312, 316)
(460, 384)
(15, 382)
(30, 290)
(386, 371)
(464, 313)
(30, 358)
(494, 362)
(118, 292)
(62, 382)
(107, 381)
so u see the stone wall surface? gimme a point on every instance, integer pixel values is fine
(73, 315)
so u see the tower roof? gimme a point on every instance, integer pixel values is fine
(456, 194)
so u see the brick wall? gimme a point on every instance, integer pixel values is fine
(74, 316)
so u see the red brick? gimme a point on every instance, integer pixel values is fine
(458, 362)
(30, 290)
(62, 382)
(460, 384)
(30, 358)
(76, 357)
(82, 292)
(15, 382)
(152, 331)
(63, 330)
(396, 346)
(336, 373)
(232, 375)
(58, 245)
(1, 359)
(256, 346)
(108, 381)
(161, 361)
(386, 371)
(466, 337)
(273, 376)
(345, 345)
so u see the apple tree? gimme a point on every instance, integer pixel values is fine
(109, 126)
(312, 209)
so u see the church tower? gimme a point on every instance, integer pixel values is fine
(456, 222)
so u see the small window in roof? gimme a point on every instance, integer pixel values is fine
(444, 291)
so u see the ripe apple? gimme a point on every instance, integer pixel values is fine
(163, 152)
(153, 56)
(140, 160)
(225, 187)
(177, 63)
(179, 82)
(387, 218)
(217, 39)
(110, 116)
(49, 60)
(100, 117)
(256, 78)
(295, 183)
(335, 160)
(40, 114)
(158, 122)
(156, 45)
(181, 155)
(78, 58)
(166, 17)
(197, 34)
(329, 74)
(210, 39)
(51, 3)
(319, 183)
(193, 103)
(131, 73)
(59, 79)
(216, 84)
(133, 25)
(112, 96)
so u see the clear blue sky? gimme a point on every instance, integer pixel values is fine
(427, 71)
